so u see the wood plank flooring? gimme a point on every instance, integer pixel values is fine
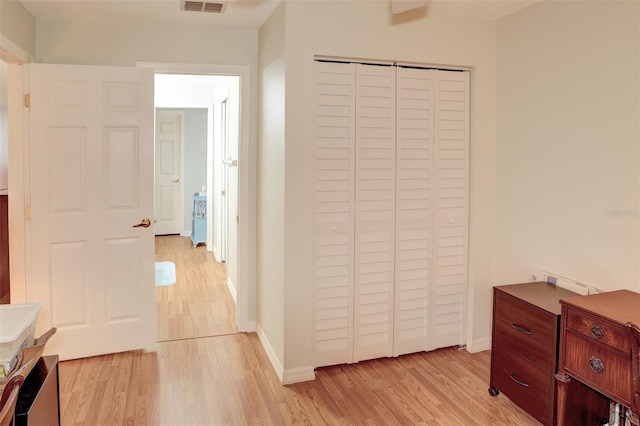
(227, 380)
(199, 303)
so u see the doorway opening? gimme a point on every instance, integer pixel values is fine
(197, 145)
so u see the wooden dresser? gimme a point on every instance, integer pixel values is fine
(595, 348)
(524, 355)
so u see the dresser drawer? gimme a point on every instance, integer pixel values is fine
(527, 330)
(525, 383)
(582, 356)
(599, 330)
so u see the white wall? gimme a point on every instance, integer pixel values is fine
(568, 143)
(271, 175)
(98, 43)
(365, 30)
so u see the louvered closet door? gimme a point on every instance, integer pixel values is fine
(451, 208)
(414, 204)
(390, 210)
(431, 209)
(374, 211)
(334, 141)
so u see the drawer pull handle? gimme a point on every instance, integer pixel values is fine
(596, 331)
(520, 329)
(526, 385)
(596, 364)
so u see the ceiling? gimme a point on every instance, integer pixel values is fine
(238, 13)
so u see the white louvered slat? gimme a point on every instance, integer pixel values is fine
(413, 206)
(451, 208)
(374, 212)
(333, 211)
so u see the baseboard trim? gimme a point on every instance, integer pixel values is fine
(232, 290)
(286, 377)
(479, 345)
(273, 359)
(297, 375)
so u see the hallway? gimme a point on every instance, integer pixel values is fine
(199, 303)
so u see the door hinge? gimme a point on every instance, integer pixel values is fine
(237, 218)
(27, 100)
(27, 213)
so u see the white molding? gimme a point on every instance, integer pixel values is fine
(20, 235)
(232, 290)
(286, 377)
(298, 375)
(11, 53)
(271, 354)
(479, 345)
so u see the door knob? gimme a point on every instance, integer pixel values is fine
(144, 223)
(176, 180)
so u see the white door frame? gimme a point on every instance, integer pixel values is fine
(224, 177)
(246, 296)
(18, 123)
(19, 172)
(19, 168)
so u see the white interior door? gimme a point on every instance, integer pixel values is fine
(169, 200)
(91, 182)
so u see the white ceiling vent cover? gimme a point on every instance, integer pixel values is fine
(203, 6)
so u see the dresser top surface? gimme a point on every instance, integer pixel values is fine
(539, 293)
(620, 306)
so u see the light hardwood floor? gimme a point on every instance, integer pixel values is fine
(199, 303)
(227, 379)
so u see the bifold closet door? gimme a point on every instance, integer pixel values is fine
(414, 207)
(333, 211)
(391, 153)
(374, 219)
(447, 323)
(354, 211)
(431, 209)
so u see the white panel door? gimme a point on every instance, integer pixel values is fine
(451, 208)
(334, 134)
(169, 199)
(91, 181)
(374, 235)
(414, 204)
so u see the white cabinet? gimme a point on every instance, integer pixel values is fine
(390, 210)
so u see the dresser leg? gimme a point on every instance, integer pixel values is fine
(562, 387)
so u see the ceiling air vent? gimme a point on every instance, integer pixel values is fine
(202, 6)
